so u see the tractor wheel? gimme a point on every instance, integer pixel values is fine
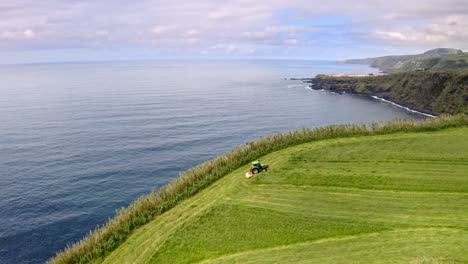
(265, 169)
(255, 171)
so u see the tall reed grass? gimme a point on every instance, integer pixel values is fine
(106, 238)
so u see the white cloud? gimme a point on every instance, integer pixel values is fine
(28, 33)
(412, 36)
(227, 48)
(17, 35)
(192, 32)
(447, 31)
(393, 35)
(163, 29)
(279, 35)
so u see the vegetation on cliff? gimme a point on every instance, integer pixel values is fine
(435, 59)
(429, 91)
(147, 209)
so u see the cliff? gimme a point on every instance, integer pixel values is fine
(427, 91)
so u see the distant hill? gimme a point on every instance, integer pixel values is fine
(436, 59)
(443, 51)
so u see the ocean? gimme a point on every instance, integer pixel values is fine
(80, 140)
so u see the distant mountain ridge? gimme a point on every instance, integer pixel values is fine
(436, 59)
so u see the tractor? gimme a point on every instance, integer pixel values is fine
(256, 167)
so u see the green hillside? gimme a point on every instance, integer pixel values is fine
(393, 191)
(432, 63)
(442, 58)
(397, 198)
(430, 91)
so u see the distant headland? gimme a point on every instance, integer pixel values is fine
(435, 59)
(433, 82)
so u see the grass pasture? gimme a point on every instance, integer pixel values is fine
(391, 198)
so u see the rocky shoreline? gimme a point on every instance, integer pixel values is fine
(316, 84)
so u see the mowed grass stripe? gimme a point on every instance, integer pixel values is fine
(351, 196)
(385, 215)
(405, 246)
(398, 168)
(235, 214)
(344, 190)
(372, 175)
(372, 206)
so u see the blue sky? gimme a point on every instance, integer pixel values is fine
(59, 30)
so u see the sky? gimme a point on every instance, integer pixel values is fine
(89, 30)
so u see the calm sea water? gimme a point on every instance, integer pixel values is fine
(78, 141)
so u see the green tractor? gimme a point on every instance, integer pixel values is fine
(258, 167)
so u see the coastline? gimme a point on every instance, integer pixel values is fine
(402, 106)
(395, 102)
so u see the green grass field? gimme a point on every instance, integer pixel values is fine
(397, 198)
